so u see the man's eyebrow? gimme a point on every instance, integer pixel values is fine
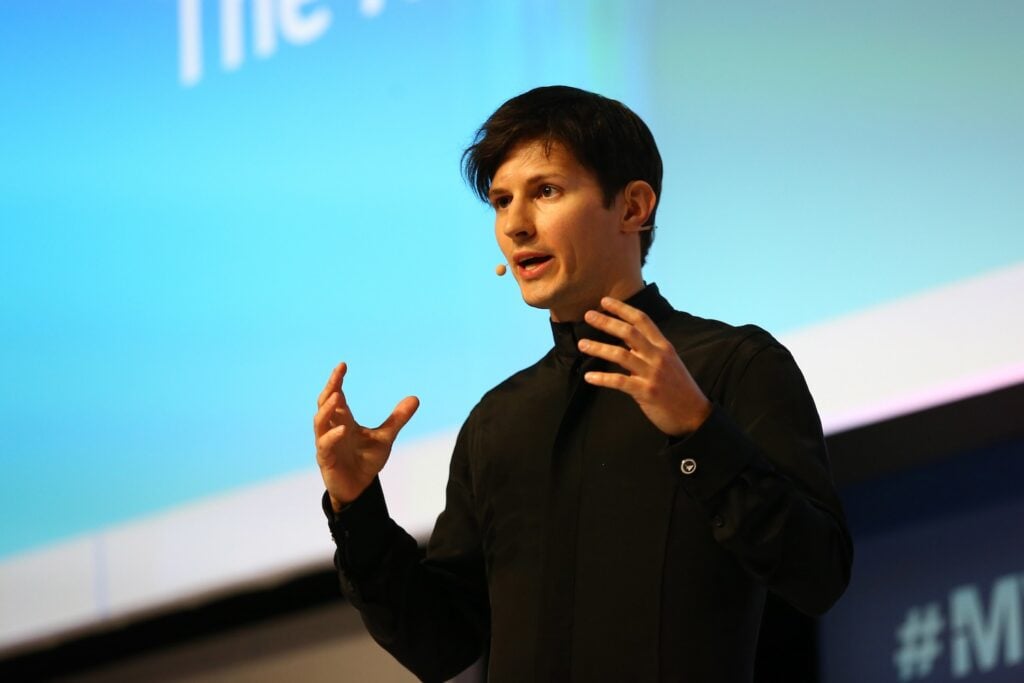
(532, 180)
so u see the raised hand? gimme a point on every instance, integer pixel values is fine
(350, 455)
(657, 379)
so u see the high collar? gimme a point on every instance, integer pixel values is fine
(567, 334)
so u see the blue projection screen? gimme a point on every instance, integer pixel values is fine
(206, 204)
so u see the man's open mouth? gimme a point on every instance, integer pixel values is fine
(533, 261)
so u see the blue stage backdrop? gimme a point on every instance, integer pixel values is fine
(207, 204)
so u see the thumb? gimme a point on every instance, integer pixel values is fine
(399, 417)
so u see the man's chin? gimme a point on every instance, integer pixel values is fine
(536, 299)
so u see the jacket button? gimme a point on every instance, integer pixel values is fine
(688, 466)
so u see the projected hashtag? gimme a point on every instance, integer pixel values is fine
(919, 640)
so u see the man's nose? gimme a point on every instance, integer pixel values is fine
(518, 222)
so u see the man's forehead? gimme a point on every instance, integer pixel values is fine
(534, 158)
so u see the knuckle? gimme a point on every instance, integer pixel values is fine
(326, 440)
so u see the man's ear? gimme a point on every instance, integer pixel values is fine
(639, 201)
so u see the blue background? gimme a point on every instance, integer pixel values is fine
(181, 266)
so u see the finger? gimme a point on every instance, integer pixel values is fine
(618, 328)
(398, 418)
(635, 317)
(329, 388)
(326, 443)
(614, 354)
(322, 417)
(612, 380)
(333, 382)
(333, 411)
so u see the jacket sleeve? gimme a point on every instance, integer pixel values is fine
(759, 467)
(432, 614)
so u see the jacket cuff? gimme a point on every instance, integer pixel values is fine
(711, 457)
(361, 529)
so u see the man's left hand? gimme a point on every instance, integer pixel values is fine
(657, 378)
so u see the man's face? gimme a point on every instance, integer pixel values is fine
(565, 247)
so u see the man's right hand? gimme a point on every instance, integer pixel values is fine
(350, 455)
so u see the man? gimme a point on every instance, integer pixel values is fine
(617, 511)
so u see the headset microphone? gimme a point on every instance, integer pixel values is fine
(500, 269)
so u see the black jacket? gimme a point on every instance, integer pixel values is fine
(581, 544)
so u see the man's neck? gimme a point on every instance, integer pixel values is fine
(620, 291)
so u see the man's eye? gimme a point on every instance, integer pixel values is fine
(500, 202)
(548, 191)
